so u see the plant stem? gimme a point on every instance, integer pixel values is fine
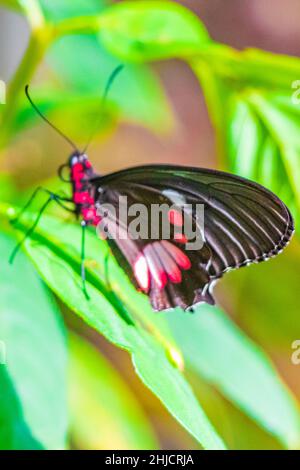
(30, 61)
(214, 98)
(41, 36)
(77, 25)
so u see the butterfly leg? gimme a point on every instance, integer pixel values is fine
(55, 197)
(83, 277)
(29, 232)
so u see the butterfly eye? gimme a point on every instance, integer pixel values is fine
(74, 160)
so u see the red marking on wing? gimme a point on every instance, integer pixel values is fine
(155, 267)
(171, 268)
(180, 238)
(141, 273)
(175, 217)
(181, 259)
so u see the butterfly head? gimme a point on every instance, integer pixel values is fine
(79, 165)
(77, 158)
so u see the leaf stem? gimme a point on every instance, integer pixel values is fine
(41, 36)
(77, 25)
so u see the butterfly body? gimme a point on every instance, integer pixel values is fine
(83, 193)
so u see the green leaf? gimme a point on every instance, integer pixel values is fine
(59, 107)
(264, 69)
(32, 381)
(264, 145)
(224, 356)
(272, 314)
(57, 10)
(284, 127)
(104, 412)
(140, 31)
(81, 87)
(244, 79)
(7, 188)
(249, 68)
(12, 4)
(144, 101)
(249, 97)
(58, 263)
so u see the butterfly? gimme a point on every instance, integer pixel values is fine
(244, 223)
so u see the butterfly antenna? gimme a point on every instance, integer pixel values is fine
(47, 120)
(109, 83)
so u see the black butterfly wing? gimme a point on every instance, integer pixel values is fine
(243, 223)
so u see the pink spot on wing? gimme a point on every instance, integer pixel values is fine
(181, 258)
(175, 217)
(161, 280)
(156, 269)
(168, 263)
(175, 275)
(141, 272)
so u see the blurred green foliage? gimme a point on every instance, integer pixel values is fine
(105, 398)
(248, 95)
(33, 407)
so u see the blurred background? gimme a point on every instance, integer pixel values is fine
(268, 311)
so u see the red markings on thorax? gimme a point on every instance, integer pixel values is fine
(81, 194)
(83, 197)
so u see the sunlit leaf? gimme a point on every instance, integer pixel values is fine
(104, 412)
(58, 263)
(224, 356)
(56, 10)
(272, 314)
(7, 188)
(238, 430)
(32, 379)
(59, 107)
(144, 101)
(264, 144)
(11, 4)
(136, 93)
(283, 125)
(140, 31)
